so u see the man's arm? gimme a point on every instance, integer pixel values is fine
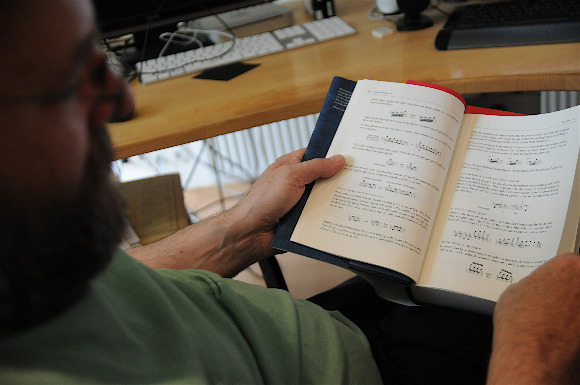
(537, 327)
(229, 242)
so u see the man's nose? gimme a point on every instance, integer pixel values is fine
(124, 108)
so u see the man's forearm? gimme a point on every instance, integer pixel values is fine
(224, 244)
(537, 327)
(534, 363)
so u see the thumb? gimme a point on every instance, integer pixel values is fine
(321, 168)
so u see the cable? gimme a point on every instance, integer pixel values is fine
(188, 36)
(229, 34)
(435, 5)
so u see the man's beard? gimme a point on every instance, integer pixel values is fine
(52, 244)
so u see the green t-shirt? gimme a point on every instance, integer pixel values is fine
(138, 325)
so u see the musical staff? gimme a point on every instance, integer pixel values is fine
(508, 206)
(389, 139)
(479, 269)
(481, 235)
(421, 118)
(410, 166)
(422, 146)
(400, 191)
(390, 188)
(376, 223)
(475, 268)
(505, 276)
(514, 161)
(517, 242)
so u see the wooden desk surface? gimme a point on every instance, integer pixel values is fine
(294, 83)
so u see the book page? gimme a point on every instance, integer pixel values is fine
(397, 140)
(513, 183)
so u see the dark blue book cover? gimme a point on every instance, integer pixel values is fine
(328, 121)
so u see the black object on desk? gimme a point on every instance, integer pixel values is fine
(413, 19)
(511, 23)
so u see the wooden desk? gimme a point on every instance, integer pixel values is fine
(294, 83)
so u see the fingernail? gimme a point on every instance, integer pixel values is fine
(336, 158)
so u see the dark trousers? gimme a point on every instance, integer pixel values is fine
(415, 345)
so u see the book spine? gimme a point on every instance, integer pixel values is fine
(330, 116)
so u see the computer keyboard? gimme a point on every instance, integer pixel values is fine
(511, 23)
(245, 48)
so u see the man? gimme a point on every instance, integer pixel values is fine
(73, 310)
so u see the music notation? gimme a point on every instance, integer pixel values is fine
(507, 206)
(389, 139)
(400, 191)
(404, 114)
(478, 269)
(366, 184)
(517, 242)
(393, 163)
(375, 223)
(514, 162)
(481, 235)
(390, 188)
(505, 276)
(422, 146)
(475, 268)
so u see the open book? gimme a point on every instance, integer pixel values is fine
(436, 204)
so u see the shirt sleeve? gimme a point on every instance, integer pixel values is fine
(292, 341)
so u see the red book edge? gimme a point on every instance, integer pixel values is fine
(468, 109)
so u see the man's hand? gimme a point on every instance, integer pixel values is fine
(537, 327)
(229, 242)
(277, 190)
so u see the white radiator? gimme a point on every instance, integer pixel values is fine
(558, 100)
(249, 152)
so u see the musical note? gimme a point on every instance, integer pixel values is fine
(422, 146)
(375, 223)
(480, 235)
(389, 139)
(475, 268)
(514, 162)
(392, 163)
(505, 276)
(517, 242)
(401, 191)
(354, 218)
(366, 184)
(506, 206)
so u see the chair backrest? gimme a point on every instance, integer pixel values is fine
(155, 207)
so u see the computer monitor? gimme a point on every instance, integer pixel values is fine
(121, 17)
